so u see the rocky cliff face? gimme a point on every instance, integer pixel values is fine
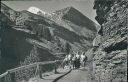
(110, 60)
(27, 38)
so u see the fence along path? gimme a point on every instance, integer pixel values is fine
(6, 77)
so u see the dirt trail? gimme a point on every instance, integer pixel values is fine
(78, 75)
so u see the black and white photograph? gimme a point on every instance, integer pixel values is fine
(63, 40)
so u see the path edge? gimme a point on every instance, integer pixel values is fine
(55, 80)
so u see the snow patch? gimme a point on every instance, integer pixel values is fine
(36, 10)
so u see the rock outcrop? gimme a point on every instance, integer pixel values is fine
(110, 56)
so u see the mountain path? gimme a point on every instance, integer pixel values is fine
(78, 75)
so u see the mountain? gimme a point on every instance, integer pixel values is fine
(73, 15)
(75, 21)
(28, 36)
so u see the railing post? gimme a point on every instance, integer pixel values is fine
(37, 70)
(55, 67)
(8, 77)
(99, 78)
(0, 79)
(40, 71)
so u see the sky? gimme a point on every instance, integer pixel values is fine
(84, 6)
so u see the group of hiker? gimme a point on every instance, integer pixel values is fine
(75, 60)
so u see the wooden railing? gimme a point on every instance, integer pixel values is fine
(6, 77)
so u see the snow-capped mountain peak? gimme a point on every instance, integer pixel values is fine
(36, 10)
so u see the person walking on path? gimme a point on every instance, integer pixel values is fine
(83, 59)
(69, 60)
(77, 55)
(65, 62)
(74, 61)
(77, 62)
